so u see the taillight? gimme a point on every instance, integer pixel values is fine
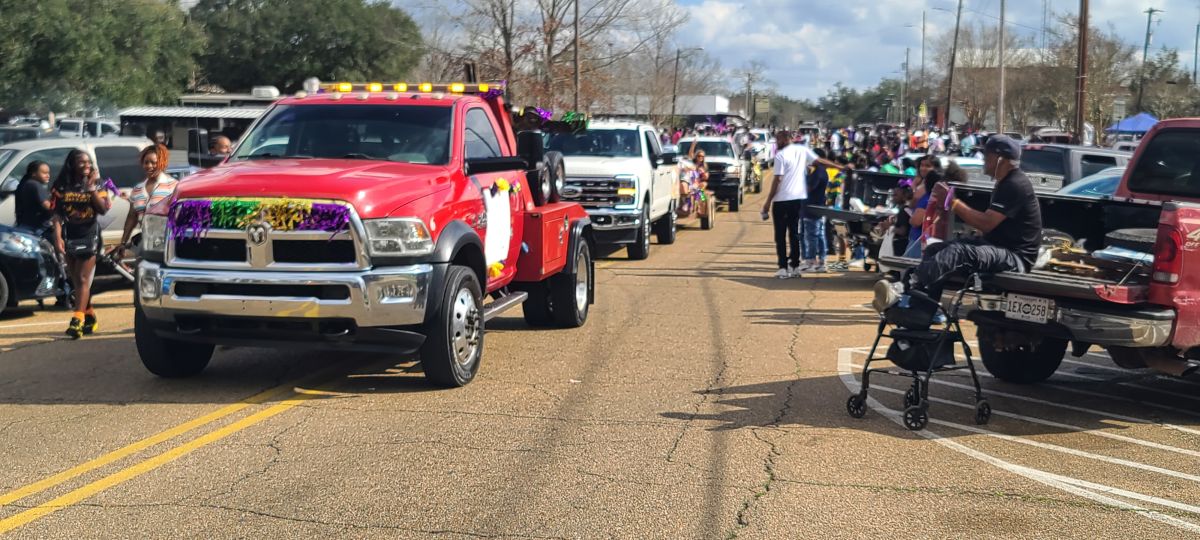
(1168, 255)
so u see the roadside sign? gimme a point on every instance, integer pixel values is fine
(762, 105)
(923, 111)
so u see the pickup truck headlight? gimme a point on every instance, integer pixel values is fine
(398, 237)
(18, 245)
(627, 190)
(154, 234)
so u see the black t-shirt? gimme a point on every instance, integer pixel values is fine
(31, 195)
(1021, 230)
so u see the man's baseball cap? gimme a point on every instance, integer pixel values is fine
(1003, 146)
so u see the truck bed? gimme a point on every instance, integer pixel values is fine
(1054, 284)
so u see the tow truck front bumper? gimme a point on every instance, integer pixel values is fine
(374, 309)
(1121, 327)
(616, 226)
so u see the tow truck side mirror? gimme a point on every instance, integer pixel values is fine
(531, 145)
(9, 186)
(668, 158)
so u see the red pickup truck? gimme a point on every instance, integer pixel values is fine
(1150, 317)
(376, 217)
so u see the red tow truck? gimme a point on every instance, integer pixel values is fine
(1145, 315)
(376, 217)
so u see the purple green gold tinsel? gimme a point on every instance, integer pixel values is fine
(193, 218)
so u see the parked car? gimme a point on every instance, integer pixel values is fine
(724, 168)
(87, 127)
(1126, 146)
(1101, 185)
(115, 157)
(10, 134)
(1052, 166)
(620, 174)
(28, 268)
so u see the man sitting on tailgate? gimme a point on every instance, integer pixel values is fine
(1011, 227)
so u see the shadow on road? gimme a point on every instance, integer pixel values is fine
(815, 317)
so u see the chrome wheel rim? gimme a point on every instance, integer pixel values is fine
(583, 273)
(465, 322)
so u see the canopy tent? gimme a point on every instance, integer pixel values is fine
(1138, 123)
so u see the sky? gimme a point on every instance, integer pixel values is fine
(809, 45)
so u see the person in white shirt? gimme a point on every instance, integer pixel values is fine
(785, 203)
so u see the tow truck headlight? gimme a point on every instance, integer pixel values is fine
(626, 189)
(154, 234)
(17, 245)
(398, 237)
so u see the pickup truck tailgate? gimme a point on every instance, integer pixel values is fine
(1041, 283)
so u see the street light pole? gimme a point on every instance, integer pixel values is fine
(675, 79)
(1081, 71)
(904, 94)
(1145, 54)
(577, 56)
(1000, 104)
(950, 79)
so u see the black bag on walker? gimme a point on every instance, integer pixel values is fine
(919, 355)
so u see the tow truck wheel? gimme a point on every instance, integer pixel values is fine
(1025, 363)
(709, 219)
(556, 174)
(664, 229)
(454, 334)
(735, 203)
(571, 294)
(640, 248)
(167, 357)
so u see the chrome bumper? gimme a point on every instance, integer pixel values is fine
(1104, 329)
(604, 219)
(393, 296)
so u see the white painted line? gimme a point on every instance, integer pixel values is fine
(1076, 408)
(1167, 378)
(1059, 425)
(1065, 483)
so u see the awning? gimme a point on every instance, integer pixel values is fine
(246, 113)
(1138, 123)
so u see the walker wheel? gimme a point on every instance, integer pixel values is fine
(983, 412)
(912, 396)
(915, 418)
(856, 406)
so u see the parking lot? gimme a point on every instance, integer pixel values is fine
(703, 399)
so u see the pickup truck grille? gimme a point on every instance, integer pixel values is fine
(597, 192)
(272, 250)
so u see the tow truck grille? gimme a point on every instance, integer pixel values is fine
(269, 249)
(591, 192)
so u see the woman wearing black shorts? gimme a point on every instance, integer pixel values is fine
(79, 200)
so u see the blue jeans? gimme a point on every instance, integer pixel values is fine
(815, 246)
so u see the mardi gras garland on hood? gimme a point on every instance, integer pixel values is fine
(193, 218)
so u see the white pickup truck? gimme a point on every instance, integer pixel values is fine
(629, 186)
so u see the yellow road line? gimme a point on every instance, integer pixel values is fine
(148, 465)
(143, 444)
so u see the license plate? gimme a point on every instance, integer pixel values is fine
(1028, 308)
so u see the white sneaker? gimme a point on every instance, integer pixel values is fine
(795, 271)
(783, 273)
(819, 269)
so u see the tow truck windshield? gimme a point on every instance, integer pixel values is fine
(410, 134)
(599, 142)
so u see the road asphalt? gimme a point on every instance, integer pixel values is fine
(703, 399)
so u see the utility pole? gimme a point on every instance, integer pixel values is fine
(950, 79)
(1000, 104)
(922, 47)
(577, 56)
(675, 85)
(1145, 54)
(1196, 54)
(1081, 71)
(904, 94)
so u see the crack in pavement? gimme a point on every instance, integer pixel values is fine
(743, 514)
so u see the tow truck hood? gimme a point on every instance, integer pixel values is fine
(603, 166)
(375, 188)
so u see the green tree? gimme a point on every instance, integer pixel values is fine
(66, 55)
(283, 42)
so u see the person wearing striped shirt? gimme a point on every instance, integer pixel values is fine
(156, 187)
